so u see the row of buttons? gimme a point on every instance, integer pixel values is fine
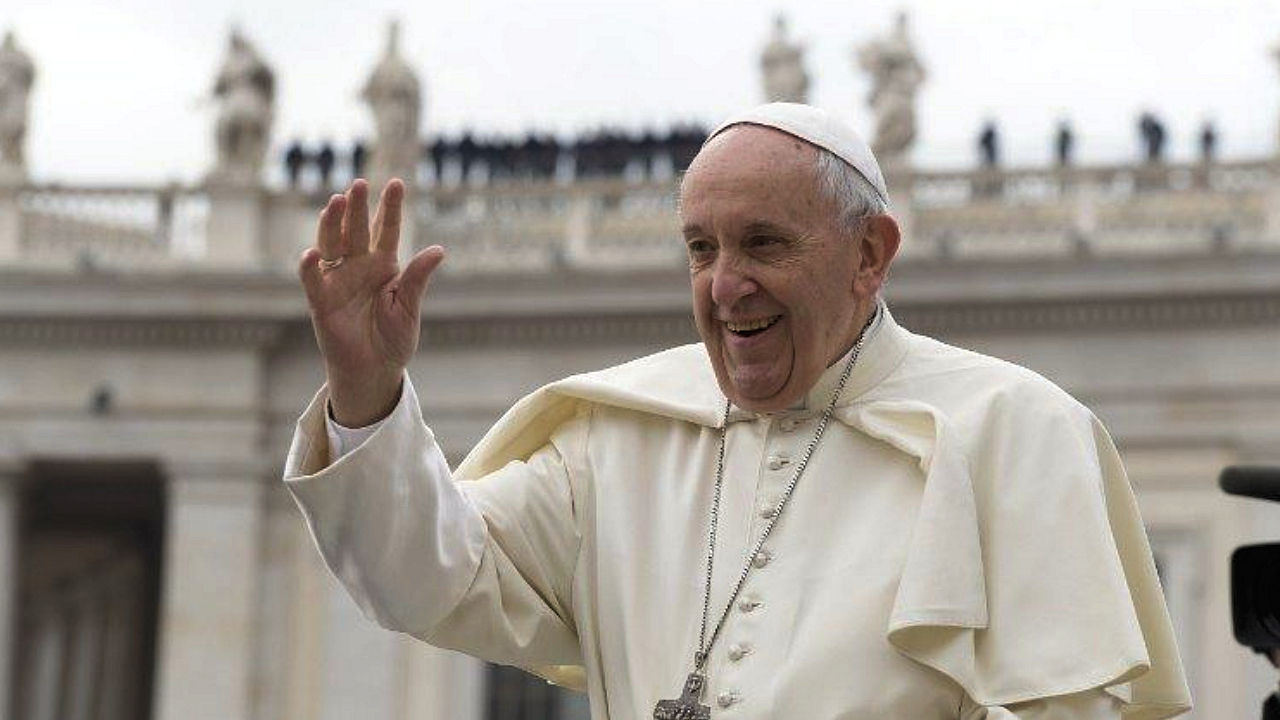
(738, 651)
(777, 461)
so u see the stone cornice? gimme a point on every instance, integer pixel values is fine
(640, 328)
(79, 332)
(1093, 315)
(650, 307)
(660, 326)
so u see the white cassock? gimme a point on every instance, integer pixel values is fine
(963, 544)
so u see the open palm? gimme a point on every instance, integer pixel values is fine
(364, 308)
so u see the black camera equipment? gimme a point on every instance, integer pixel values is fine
(1255, 577)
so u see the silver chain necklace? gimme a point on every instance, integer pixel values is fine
(688, 705)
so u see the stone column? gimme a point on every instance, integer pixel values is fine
(207, 617)
(441, 683)
(236, 235)
(1271, 231)
(9, 476)
(308, 612)
(900, 180)
(10, 223)
(1083, 234)
(362, 672)
(580, 221)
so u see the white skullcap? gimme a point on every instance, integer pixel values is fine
(817, 127)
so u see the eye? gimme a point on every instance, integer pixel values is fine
(700, 251)
(764, 241)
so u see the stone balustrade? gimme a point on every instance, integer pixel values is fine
(521, 227)
(45, 227)
(1120, 209)
(541, 227)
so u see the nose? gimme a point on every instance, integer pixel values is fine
(729, 283)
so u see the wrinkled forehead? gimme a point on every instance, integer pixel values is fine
(751, 153)
(753, 172)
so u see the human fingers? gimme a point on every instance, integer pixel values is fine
(386, 221)
(355, 221)
(329, 228)
(414, 278)
(311, 275)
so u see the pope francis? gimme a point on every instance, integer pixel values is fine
(813, 513)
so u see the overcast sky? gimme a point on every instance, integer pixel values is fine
(122, 92)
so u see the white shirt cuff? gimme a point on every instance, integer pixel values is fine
(343, 440)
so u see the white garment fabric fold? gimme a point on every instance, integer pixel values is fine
(964, 544)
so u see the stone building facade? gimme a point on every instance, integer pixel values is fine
(155, 351)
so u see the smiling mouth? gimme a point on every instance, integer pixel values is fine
(748, 328)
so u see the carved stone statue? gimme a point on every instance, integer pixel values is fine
(245, 90)
(394, 95)
(782, 67)
(17, 74)
(896, 75)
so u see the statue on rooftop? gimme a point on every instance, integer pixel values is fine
(896, 76)
(17, 75)
(245, 90)
(394, 95)
(782, 67)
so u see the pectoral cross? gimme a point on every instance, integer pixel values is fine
(687, 707)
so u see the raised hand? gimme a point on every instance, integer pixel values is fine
(364, 308)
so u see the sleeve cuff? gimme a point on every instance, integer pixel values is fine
(342, 439)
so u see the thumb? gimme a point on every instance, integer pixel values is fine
(416, 275)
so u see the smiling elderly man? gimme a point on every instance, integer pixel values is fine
(813, 513)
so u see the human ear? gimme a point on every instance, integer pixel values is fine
(878, 246)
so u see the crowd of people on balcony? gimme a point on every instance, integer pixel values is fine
(472, 159)
(611, 152)
(1152, 135)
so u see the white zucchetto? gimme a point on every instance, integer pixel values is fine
(817, 127)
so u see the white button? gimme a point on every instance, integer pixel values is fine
(761, 559)
(779, 461)
(769, 510)
(737, 652)
(746, 605)
(726, 698)
(787, 425)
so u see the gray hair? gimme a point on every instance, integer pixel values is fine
(855, 198)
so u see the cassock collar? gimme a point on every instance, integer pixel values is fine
(882, 351)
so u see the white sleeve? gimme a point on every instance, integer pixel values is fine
(342, 439)
(484, 567)
(1097, 704)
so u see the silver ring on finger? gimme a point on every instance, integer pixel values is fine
(327, 264)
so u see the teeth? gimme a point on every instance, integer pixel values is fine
(749, 325)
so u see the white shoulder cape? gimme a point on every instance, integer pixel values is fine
(1029, 573)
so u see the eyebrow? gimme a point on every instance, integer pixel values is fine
(755, 227)
(762, 227)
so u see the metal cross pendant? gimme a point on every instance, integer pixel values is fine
(687, 707)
